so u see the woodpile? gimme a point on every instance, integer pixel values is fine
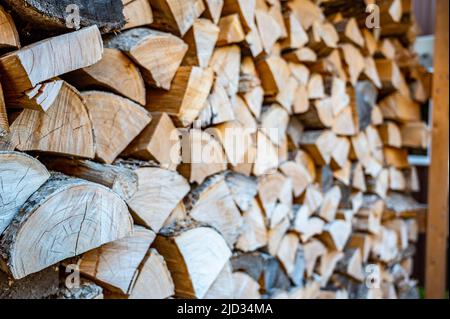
(208, 149)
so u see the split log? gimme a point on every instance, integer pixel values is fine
(296, 35)
(194, 256)
(115, 72)
(328, 263)
(319, 115)
(202, 156)
(245, 9)
(137, 13)
(201, 39)
(299, 174)
(254, 100)
(273, 188)
(314, 249)
(330, 204)
(79, 216)
(349, 32)
(390, 134)
(391, 77)
(243, 115)
(276, 234)
(303, 55)
(400, 108)
(245, 287)
(21, 175)
(243, 189)
(217, 109)
(274, 73)
(135, 182)
(52, 14)
(159, 141)
(269, 29)
(336, 234)
(187, 96)
(21, 74)
(212, 203)
(351, 264)
(116, 122)
(174, 16)
(152, 273)
(223, 286)
(396, 157)
(266, 158)
(362, 242)
(213, 10)
(99, 264)
(64, 129)
(305, 225)
(319, 144)
(137, 43)
(9, 37)
(235, 141)
(354, 61)
(263, 268)
(415, 135)
(254, 232)
(274, 123)
(166, 188)
(287, 252)
(231, 30)
(307, 12)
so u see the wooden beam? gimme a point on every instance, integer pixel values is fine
(437, 227)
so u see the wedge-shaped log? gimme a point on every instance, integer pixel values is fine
(254, 232)
(137, 13)
(24, 69)
(274, 73)
(223, 286)
(20, 175)
(201, 38)
(116, 265)
(115, 72)
(154, 280)
(79, 216)
(158, 54)
(116, 122)
(231, 30)
(213, 10)
(176, 16)
(202, 156)
(400, 108)
(245, 9)
(159, 141)
(187, 96)
(52, 14)
(226, 63)
(319, 144)
(64, 129)
(212, 203)
(194, 256)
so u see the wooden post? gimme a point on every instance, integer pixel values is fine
(437, 227)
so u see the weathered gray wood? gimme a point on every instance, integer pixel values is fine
(53, 14)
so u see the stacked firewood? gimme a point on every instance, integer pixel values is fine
(208, 149)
